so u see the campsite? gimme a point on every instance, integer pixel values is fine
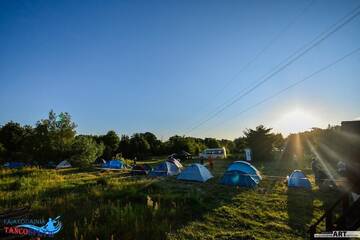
(179, 120)
(266, 187)
(107, 204)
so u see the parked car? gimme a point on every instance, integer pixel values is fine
(213, 153)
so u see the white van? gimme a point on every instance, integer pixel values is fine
(213, 153)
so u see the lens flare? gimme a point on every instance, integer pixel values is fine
(327, 168)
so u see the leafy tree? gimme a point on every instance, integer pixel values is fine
(279, 141)
(239, 144)
(178, 143)
(84, 151)
(11, 136)
(155, 144)
(111, 142)
(124, 146)
(331, 144)
(2, 151)
(53, 137)
(260, 141)
(139, 147)
(199, 145)
(42, 145)
(27, 145)
(211, 143)
(228, 144)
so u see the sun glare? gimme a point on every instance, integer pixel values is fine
(297, 120)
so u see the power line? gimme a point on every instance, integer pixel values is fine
(314, 43)
(267, 46)
(263, 50)
(349, 54)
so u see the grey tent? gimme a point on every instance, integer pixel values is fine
(63, 164)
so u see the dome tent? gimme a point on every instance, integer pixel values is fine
(298, 179)
(241, 173)
(142, 169)
(100, 161)
(114, 164)
(176, 162)
(63, 164)
(14, 164)
(165, 169)
(195, 172)
(245, 167)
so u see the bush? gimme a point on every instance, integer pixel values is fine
(84, 151)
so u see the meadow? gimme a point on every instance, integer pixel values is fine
(113, 205)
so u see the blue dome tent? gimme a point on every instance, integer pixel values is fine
(115, 164)
(165, 169)
(195, 172)
(14, 164)
(241, 173)
(298, 179)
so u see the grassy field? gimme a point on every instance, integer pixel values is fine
(113, 205)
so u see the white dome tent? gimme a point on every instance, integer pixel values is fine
(63, 164)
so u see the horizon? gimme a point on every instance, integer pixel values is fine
(191, 136)
(168, 67)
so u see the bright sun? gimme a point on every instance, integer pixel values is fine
(297, 120)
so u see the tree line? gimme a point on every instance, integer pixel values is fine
(330, 145)
(55, 139)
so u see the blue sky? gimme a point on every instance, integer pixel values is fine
(157, 66)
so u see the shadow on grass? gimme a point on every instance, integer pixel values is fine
(328, 197)
(121, 207)
(143, 208)
(300, 209)
(69, 171)
(19, 172)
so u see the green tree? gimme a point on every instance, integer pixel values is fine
(279, 141)
(53, 137)
(228, 144)
(2, 152)
(111, 142)
(199, 145)
(11, 137)
(125, 147)
(260, 141)
(139, 147)
(155, 144)
(211, 143)
(27, 145)
(177, 143)
(240, 144)
(84, 151)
